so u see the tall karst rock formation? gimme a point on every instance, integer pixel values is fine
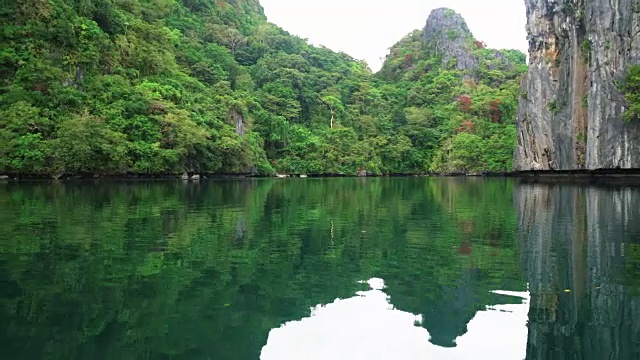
(571, 107)
(446, 34)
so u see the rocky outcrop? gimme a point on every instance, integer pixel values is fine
(570, 114)
(238, 120)
(447, 35)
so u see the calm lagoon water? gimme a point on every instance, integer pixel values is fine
(275, 269)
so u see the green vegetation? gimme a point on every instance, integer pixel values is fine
(585, 49)
(558, 61)
(630, 88)
(172, 86)
(456, 120)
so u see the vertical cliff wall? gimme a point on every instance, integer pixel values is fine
(570, 114)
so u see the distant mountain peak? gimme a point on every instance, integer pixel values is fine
(442, 20)
(447, 35)
(445, 42)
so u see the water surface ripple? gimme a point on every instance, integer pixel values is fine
(277, 269)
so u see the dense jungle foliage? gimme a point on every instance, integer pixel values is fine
(209, 86)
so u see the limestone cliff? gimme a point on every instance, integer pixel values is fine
(570, 114)
(447, 35)
(447, 38)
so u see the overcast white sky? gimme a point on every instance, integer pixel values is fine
(366, 29)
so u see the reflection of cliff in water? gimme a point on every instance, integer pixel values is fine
(576, 243)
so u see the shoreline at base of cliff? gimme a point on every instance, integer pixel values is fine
(529, 176)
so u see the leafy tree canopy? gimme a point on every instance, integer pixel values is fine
(173, 86)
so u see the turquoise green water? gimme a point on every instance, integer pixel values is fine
(319, 269)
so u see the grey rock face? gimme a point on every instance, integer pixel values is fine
(237, 118)
(570, 114)
(447, 33)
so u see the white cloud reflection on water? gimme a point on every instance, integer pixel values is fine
(368, 327)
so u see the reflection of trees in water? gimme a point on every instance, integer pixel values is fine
(447, 317)
(453, 263)
(161, 270)
(576, 242)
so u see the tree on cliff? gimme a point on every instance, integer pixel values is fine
(631, 90)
